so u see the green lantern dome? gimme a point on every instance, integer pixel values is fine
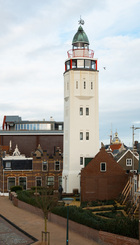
(80, 37)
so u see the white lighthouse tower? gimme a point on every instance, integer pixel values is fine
(81, 117)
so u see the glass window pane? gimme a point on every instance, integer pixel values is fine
(11, 182)
(22, 182)
(93, 65)
(74, 63)
(87, 63)
(81, 111)
(80, 63)
(81, 135)
(68, 65)
(87, 135)
(87, 111)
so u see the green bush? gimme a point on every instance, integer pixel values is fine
(97, 203)
(16, 188)
(120, 225)
(111, 214)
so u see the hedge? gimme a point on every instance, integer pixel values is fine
(120, 225)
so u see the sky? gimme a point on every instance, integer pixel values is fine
(35, 36)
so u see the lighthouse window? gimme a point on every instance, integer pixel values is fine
(87, 63)
(91, 85)
(81, 160)
(68, 65)
(93, 64)
(81, 135)
(84, 85)
(87, 111)
(87, 135)
(81, 111)
(76, 84)
(80, 63)
(74, 63)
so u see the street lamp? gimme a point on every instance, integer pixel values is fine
(67, 201)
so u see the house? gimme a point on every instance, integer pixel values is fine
(102, 178)
(41, 169)
(128, 159)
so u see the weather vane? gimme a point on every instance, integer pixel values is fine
(81, 21)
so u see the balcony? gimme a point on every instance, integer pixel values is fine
(88, 53)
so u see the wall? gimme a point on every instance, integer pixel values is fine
(28, 143)
(103, 238)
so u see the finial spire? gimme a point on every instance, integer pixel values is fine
(81, 22)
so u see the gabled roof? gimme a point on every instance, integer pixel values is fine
(123, 153)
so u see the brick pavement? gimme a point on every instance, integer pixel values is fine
(34, 224)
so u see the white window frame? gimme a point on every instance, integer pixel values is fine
(81, 161)
(101, 164)
(50, 181)
(59, 180)
(37, 178)
(10, 178)
(81, 135)
(22, 177)
(87, 135)
(81, 111)
(57, 165)
(87, 111)
(127, 160)
(46, 164)
(84, 84)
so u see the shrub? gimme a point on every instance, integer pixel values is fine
(16, 188)
(122, 226)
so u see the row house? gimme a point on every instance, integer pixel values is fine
(41, 169)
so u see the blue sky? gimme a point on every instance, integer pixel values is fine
(34, 39)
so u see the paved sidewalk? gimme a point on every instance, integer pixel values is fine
(34, 224)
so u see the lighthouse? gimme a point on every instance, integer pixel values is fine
(81, 112)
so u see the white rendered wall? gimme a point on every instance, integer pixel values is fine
(74, 123)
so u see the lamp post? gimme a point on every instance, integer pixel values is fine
(67, 201)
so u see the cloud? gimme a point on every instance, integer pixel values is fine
(34, 39)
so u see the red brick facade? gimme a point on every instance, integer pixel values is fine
(28, 143)
(102, 185)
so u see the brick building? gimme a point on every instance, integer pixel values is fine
(29, 134)
(41, 169)
(103, 178)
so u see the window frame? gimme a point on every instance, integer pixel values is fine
(81, 161)
(87, 135)
(8, 167)
(8, 182)
(38, 178)
(19, 181)
(81, 135)
(81, 111)
(129, 159)
(101, 167)
(55, 167)
(84, 84)
(50, 181)
(44, 163)
(87, 111)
